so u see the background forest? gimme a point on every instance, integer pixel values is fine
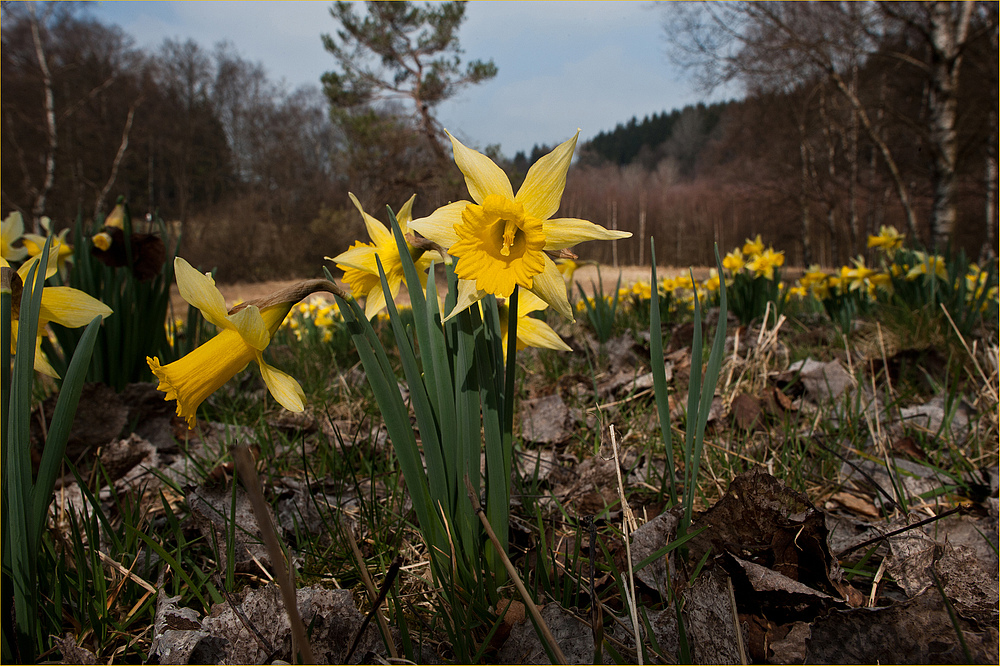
(856, 115)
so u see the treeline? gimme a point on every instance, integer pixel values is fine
(237, 164)
(679, 135)
(845, 127)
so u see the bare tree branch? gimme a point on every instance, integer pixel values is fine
(50, 117)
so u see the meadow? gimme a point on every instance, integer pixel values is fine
(747, 464)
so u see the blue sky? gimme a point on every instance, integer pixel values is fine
(562, 65)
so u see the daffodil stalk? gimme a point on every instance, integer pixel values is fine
(26, 497)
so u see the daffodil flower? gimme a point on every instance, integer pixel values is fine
(360, 269)
(927, 265)
(245, 332)
(501, 239)
(888, 239)
(531, 332)
(11, 229)
(65, 306)
(763, 263)
(62, 250)
(752, 247)
(734, 261)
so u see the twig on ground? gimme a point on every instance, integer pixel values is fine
(376, 597)
(286, 584)
(628, 526)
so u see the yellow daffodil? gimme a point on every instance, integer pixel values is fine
(764, 262)
(752, 247)
(816, 281)
(888, 239)
(858, 277)
(799, 291)
(531, 332)
(926, 265)
(65, 306)
(11, 229)
(501, 239)
(642, 290)
(567, 267)
(734, 261)
(244, 334)
(881, 281)
(712, 283)
(360, 269)
(62, 250)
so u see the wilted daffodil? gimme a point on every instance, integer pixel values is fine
(360, 269)
(500, 239)
(531, 332)
(245, 331)
(65, 306)
(11, 229)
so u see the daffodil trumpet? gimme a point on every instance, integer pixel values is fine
(245, 331)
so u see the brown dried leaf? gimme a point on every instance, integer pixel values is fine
(746, 411)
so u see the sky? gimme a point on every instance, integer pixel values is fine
(562, 65)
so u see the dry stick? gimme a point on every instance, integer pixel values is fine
(390, 578)
(628, 526)
(251, 482)
(512, 572)
(372, 594)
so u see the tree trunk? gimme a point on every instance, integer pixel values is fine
(948, 36)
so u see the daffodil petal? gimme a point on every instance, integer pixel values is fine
(376, 230)
(251, 327)
(551, 288)
(361, 257)
(405, 214)
(200, 291)
(529, 302)
(533, 332)
(374, 301)
(285, 389)
(11, 229)
(70, 307)
(564, 232)
(482, 176)
(42, 364)
(543, 187)
(468, 296)
(439, 226)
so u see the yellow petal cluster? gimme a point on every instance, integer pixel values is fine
(500, 239)
(361, 270)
